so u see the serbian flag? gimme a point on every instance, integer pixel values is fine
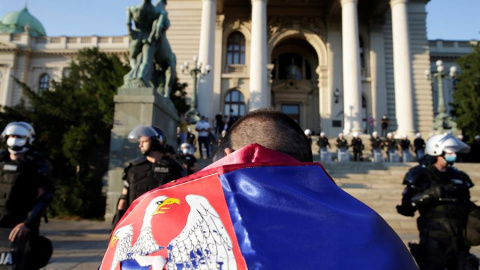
(254, 209)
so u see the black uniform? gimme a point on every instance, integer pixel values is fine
(323, 142)
(391, 145)
(188, 161)
(141, 175)
(342, 143)
(357, 146)
(20, 181)
(376, 143)
(419, 145)
(443, 201)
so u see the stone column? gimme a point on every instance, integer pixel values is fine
(258, 56)
(402, 64)
(206, 57)
(352, 85)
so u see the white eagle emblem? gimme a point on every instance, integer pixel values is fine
(203, 243)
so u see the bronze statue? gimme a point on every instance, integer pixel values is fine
(152, 61)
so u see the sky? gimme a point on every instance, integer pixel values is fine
(446, 19)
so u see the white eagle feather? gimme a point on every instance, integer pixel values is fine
(204, 242)
(123, 238)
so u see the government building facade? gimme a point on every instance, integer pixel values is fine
(333, 65)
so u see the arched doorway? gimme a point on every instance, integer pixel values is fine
(295, 82)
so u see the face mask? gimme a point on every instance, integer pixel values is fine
(450, 158)
(185, 151)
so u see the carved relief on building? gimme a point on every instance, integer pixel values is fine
(313, 24)
(243, 25)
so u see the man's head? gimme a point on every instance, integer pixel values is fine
(149, 139)
(19, 136)
(322, 134)
(340, 136)
(375, 134)
(389, 136)
(185, 148)
(269, 128)
(444, 147)
(418, 136)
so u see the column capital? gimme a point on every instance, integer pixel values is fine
(394, 2)
(253, 1)
(344, 2)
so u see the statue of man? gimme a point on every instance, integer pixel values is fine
(141, 46)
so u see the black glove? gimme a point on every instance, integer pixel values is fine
(406, 210)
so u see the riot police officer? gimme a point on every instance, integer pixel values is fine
(440, 193)
(26, 191)
(357, 146)
(153, 169)
(186, 158)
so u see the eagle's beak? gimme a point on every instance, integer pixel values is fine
(162, 208)
(113, 241)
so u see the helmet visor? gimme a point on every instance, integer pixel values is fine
(141, 130)
(451, 144)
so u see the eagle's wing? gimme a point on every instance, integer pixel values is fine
(124, 244)
(204, 242)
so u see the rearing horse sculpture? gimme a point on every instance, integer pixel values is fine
(164, 59)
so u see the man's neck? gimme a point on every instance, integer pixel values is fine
(154, 157)
(440, 167)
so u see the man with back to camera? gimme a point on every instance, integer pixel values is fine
(27, 190)
(280, 203)
(440, 192)
(153, 169)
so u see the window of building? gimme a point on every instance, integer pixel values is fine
(364, 115)
(291, 66)
(362, 53)
(236, 49)
(44, 82)
(234, 103)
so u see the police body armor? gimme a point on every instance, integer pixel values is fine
(141, 175)
(19, 183)
(18, 187)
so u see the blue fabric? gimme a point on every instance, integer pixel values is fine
(295, 217)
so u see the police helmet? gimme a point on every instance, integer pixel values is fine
(25, 135)
(308, 132)
(438, 144)
(418, 135)
(156, 135)
(374, 134)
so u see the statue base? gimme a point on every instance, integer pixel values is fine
(443, 123)
(133, 107)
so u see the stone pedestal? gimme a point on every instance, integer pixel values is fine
(140, 106)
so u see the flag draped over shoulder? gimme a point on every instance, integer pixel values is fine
(254, 209)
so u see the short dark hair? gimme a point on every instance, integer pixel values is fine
(270, 128)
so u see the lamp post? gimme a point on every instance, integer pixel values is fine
(198, 71)
(443, 120)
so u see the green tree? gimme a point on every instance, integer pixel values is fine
(467, 93)
(73, 122)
